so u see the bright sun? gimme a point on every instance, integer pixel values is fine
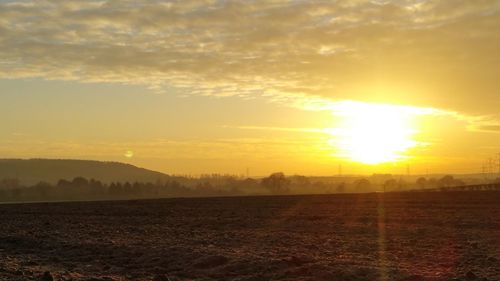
(374, 133)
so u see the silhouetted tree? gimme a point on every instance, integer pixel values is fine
(42, 190)
(401, 184)
(127, 188)
(432, 182)
(95, 184)
(276, 183)
(446, 181)
(421, 182)
(114, 189)
(96, 188)
(390, 184)
(80, 182)
(63, 183)
(362, 184)
(341, 187)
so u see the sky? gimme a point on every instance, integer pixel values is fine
(303, 87)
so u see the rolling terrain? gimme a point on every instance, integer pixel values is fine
(32, 171)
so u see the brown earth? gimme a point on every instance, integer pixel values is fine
(397, 236)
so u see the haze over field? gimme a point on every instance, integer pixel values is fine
(196, 87)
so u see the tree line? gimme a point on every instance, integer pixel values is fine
(79, 188)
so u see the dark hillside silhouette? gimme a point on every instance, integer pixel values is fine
(32, 171)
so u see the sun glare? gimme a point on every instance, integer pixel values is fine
(374, 133)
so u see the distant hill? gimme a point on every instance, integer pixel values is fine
(32, 171)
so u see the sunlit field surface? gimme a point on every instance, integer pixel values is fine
(398, 236)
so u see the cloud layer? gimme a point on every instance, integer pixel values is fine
(432, 53)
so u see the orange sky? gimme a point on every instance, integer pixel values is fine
(214, 86)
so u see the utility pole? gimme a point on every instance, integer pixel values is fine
(248, 173)
(490, 168)
(340, 169)
(483, 171)
(498, 164)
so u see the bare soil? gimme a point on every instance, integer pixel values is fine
(394, 236)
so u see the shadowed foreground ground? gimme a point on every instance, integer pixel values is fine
(406, 236)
